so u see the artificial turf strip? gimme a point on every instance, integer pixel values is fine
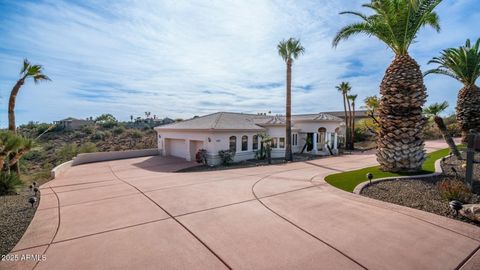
(349, 180)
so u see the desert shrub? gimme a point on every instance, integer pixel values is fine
(77, 134)
(87, 147)
(34, 155)
(201, 156)
(9, 183)
(118, 130)
(361, 135)
(106, 121)
(87, 129)
(454, 190)
(48, 146)
(67, 152)
(136, 134)
(431, 132)
(226, 156)
(98, 135)
(454, 130)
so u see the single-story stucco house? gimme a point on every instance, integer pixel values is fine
(238, 132)
(71, 123)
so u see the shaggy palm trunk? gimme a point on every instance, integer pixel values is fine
(349, 126)
(11, 118)
(288, 132)
(400, 140)
(468, 110)
(347, 131)
(353, 125)
(443, 129)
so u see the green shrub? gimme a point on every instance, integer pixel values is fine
(34, 155)
(454, 190)
(106, 121)
(136, 134)
(118, 130)
(88, 147)
(67, 152)
(87, 129)
(226, 156)
(98, 135)
(10, 183)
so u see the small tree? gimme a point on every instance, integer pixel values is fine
(433, 111)
(226, 156)
(106, 120)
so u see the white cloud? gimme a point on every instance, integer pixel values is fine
(185, 58)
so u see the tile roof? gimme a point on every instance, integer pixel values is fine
(241, 121)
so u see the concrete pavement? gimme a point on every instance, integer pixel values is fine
(139, 214)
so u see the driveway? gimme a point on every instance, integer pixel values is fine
(138, 214)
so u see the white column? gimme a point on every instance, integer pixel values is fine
(188, 155)
(335, 143)
(164, 147)
(315, 136)
(328, 139)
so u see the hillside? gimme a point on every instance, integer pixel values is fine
(57, 146)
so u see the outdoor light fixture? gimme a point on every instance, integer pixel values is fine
(209, 140)
(34, 184)
(456, 206)
(31, 186)
(35, 189)
(32, 200)
(370, 177)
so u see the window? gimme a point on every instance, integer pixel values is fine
(294, 139)
(255, 142)
(274, 142)
(244, 143)
(282, 142)
(233, 144)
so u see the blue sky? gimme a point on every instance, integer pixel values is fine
(184, 58)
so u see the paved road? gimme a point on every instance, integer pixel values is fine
(139, 214)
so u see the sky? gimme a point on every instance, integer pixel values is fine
(180, 58)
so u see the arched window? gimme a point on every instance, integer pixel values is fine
(233, 144)
(255, 142)
(244, 143)
(322, 132)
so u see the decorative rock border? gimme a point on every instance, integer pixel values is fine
(438, 171)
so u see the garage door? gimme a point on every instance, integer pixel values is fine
(176, 148)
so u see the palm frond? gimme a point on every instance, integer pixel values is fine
(290, 49)
(25, 66)
(435, 109)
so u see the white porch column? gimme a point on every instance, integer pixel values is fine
(315, 136)
(164, 147)
(335, 144)
(188, 155)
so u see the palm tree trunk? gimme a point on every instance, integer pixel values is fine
(400, 140)
(347, 131)
(288, 133)
(441, 126)
(353, 125)
(468, 110)
(11, 117)
(349, 126)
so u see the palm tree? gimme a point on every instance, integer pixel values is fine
(463, 64)
(28, 71)
(433, 111)
(352, 99)
(289, 50)
(397, 23)
(345, 88)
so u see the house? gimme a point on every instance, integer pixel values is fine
(359, 115)
(71, 123)
(317, 134)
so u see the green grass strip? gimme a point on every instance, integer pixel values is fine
(349, 180)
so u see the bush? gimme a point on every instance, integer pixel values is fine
(98, 135)
(201, 156)
(118, 130)
(67, 152)
(87, 129)
(226, 156)
(136, 134)
(106, 120)
(9, 183)
(34, 155)
(88, 147)
(454, 190)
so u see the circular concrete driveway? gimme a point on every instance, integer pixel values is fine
(139, 214)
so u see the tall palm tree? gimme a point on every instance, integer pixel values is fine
(463, 64)
(352, 99)
(344, 88)
(397, 23)
(434, 111)
(28, 71)
(289, 50)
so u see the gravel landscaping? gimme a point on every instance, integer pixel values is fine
(423, 193)
(15, 216)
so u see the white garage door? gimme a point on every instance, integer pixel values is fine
(176, 148)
